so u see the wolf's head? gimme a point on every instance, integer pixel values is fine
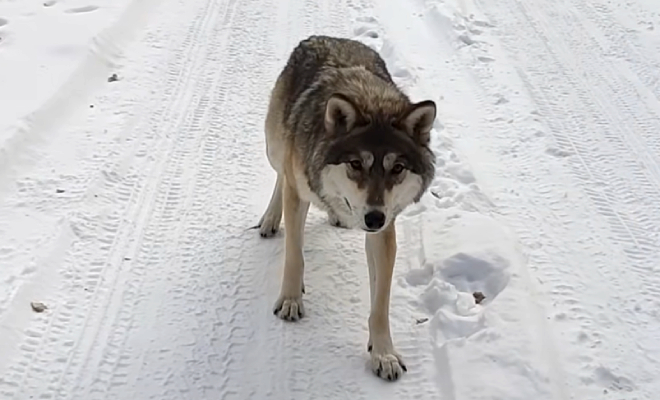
(378, 164)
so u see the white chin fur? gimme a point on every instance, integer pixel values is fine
(403, 195)
(337, 189)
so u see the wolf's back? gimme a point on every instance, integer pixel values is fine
(318, 53)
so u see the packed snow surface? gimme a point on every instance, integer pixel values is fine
(132, 165)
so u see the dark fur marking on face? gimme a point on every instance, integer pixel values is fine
(379, 139)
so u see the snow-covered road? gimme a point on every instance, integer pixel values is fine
(125, 204)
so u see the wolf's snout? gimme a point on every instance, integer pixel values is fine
(374, 220)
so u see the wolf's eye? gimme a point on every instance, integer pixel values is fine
(356, 165)
(397, 169)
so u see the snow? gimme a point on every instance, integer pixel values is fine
(125, 204)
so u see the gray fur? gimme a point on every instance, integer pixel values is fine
(342, 135)
(321, 66)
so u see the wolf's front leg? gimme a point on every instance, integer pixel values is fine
(381, 253)
(289, 306)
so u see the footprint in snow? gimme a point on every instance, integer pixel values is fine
(559, 153)
(475, 273)
(460, 173)
(455, 313)
(3, 22)
(485, 274)
(467, 40)
(605, 377)
(457, 291)
(366, 32)
(368, 36)
(367, 19)
(81, 10)
(401, 73)
(455, 326)
(483, 24)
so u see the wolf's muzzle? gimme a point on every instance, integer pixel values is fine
(374, 220)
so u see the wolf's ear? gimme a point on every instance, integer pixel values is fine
(341, 115)
(419, 120)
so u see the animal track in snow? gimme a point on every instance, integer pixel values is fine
(483, 24)
(455, 185)
(460, 173)
(455, 313)
(553, 151)
(3, 22)
(401, 73)
(469, 273)
(475, 257)
(367, 19)
(467, 40)
(449, 294)
(366, 31)
(606, 378)
(475, 273)
(80, 10)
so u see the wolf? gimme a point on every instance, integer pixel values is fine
(341, 135)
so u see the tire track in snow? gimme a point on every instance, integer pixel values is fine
(576, 111)
(605, 83)
(445, 37)
(122, 184)
(451, 329)
(620, 201)
(623, 42)
(525, 163)
(224, 271)
(114, 360)
(188, 315)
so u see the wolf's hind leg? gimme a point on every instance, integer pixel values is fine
(269, 223)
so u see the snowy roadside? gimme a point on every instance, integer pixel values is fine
(54, 53)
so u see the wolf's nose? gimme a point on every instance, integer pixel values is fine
(374, 220)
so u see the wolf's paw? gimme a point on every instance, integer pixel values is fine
(289, 308)
(387, 365)
(334, 220)
(269, 225)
